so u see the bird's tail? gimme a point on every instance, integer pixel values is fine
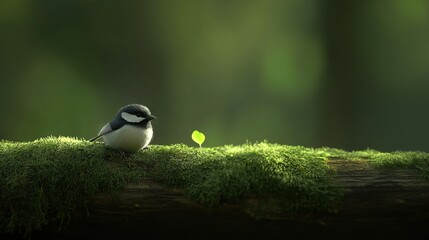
(95, 138)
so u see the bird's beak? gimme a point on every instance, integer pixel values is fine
(151, 117)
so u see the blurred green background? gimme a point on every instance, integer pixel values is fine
(347, 74)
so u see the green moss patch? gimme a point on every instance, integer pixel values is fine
(399, 159)
(55, 179)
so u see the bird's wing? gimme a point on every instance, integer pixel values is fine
(106, 129)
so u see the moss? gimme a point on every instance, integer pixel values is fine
(399, 159)
(55, 179)
(210, 176)
(50, 179)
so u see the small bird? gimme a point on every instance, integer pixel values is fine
(130, 130)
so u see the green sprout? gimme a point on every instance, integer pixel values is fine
(198, 137)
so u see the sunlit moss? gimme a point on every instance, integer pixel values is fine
(55, 179)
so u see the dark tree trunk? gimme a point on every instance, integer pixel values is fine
(346, 74)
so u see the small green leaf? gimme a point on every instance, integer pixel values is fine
(198, 137)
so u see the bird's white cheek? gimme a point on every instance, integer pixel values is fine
(131, 118)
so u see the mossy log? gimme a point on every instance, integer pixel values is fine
(370, 194)
(377, 202)
(256, 190)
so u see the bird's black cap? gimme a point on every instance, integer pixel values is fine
(138, 110)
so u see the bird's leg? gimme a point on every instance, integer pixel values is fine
(125, 154)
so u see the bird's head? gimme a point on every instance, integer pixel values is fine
(135, 113)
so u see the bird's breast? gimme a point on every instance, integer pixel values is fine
(129, 138)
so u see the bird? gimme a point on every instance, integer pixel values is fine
(130, 130)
